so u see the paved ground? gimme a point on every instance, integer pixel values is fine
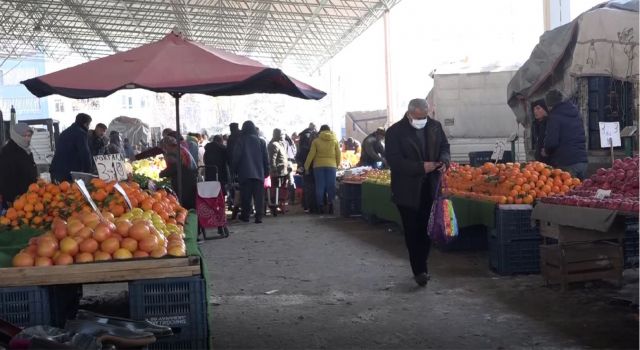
(310, 282)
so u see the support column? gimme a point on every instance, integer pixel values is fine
(391, 118)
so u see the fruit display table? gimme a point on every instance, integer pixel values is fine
(376, 203)
(470, 212)
(109, 271)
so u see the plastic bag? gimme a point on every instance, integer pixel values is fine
(443, 226)
(267, 182)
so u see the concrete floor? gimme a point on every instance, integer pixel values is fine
(311, 282)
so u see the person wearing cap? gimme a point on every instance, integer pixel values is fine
(540, 114)
(418, 153)
(17, 168)
(72, 150)
(565, 141)
(351, 144)
(373, 149)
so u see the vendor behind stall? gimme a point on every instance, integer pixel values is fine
(170, 148)
(373, 150)
(17, 167)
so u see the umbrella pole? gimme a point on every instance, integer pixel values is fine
(179, 165)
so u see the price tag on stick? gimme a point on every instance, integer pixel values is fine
(498, 151)
(87, 197)
(119, 188)
(610, 135)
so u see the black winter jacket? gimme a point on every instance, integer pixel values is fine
(17, 171)
(565, 140)
(406, 159)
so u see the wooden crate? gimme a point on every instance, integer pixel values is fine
(100, 272)
(564, 264)
(568, 234)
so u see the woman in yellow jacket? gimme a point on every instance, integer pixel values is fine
(325, 156)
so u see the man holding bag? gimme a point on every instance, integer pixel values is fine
(417, 152)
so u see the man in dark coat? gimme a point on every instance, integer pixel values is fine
(565, 141)
(232, 140)
(215, 155)
(17, 167)
(97, 140)
(540, 114)
(417, 151)
(72, 150)
(373, 149)
(251, 162)
(306, 138)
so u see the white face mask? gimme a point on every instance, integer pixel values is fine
(419, 123)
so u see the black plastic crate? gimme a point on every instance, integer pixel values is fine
(481, 157)
(25, 306)
(179, 303)
(350, 191)
(180, 344)
(513, 223)
(350, 207)
(470, 238)
(514, 257)
(630, 245)
(64, 301)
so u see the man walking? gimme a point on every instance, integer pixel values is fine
(417, 151)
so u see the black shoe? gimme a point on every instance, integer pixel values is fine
(421, 279)
(258, 221)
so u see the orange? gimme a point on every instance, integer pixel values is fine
(28, 207)
(64, 186)
(527, 199)
(555, 189)
(568, 182)
(32, 198)
(34, 188)
(38, 207)
(11, 214)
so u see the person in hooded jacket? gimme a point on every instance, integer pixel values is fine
(17, 168)
(216, 161)
(565, 142)
(325, 156)
(72, 150)
(250, 162)
(540, 114)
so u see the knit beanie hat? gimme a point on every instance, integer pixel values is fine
(553, 98)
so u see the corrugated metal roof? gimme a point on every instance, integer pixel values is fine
(306, 33)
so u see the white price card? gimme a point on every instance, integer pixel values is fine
(610, 133)
(111, 167)
(602, 194)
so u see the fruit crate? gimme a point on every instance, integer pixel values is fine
(631, 242)
(185, 343)
(481, 157)
(513, 223)
(470, 238)
(179, 303)
(350, 207)
(515, 257)
(350, 191)
(25, 306)
(64, 301)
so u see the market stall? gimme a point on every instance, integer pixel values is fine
(56, 238)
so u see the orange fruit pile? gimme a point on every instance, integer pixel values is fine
(44, 202)
(510, 183)
(87, 238)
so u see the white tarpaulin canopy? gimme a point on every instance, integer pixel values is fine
(600, 42)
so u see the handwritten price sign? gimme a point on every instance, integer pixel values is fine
(610, 134)
(111, 167)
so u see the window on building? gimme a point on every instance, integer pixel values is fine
(59, 106)
(609, 100)
(130, 104)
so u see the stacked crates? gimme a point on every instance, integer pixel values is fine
(179, 303)
(514, 245)
(631, 242)
(350, 200)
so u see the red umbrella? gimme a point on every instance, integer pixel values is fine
(174, 65)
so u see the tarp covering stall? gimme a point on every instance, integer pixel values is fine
(600, 42)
